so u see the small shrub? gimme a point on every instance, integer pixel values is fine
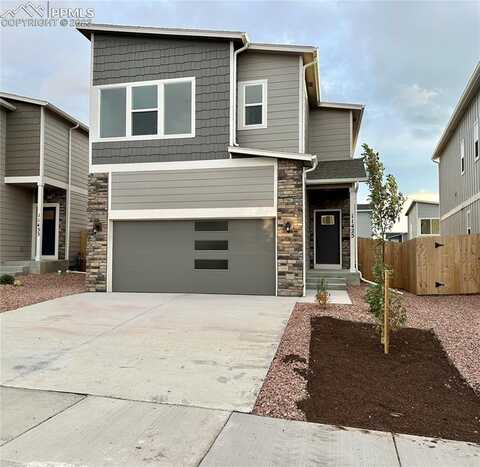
(322, 293)
(7, 279)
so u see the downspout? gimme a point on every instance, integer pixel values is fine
(235, 86)
(305, 171)
(67, 229)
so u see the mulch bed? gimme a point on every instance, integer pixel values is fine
(39, 288)
(414, 389)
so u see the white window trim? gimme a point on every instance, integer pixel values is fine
(95, 129)
(476, 131)
(420, 219)
(462, 156)
(241, 108)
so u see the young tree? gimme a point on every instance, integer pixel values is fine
(386, 204)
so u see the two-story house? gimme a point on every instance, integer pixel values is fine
(423, 218)
(215, 166)
(458, 157)
(43, 185)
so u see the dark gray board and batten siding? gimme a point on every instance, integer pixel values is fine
(126, 59)
(282, 73)
(329, 134)
(199, 188)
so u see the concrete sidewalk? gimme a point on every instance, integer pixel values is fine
(43, 428)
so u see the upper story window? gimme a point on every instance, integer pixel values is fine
(476, 149)
(146, 110)
(253, 104)
(462, 156)
(430, 226)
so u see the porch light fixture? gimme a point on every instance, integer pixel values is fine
(288, 227)
(97, 226)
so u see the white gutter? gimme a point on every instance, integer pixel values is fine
(305, 171)
(235, 87)
(69, 189)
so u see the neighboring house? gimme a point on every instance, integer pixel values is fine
(398, 237)
(215, 165)
(364, 221)
(43, 185)
(458, 158)
(423, 218)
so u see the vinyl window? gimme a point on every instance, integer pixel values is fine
(469, 222)
(476, 149)
(253, 104)
(146, 110)
(462, 156)
(430, 226)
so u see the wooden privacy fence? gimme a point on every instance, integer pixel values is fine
(437, 265)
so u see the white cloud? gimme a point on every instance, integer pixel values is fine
(416, 96)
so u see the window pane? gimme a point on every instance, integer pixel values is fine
(435, 226)
(144, 123)
(211, 244)
(253, 94)
(178, 108)
(425, 226)
(253, 115)
(144, 97)
(113, 108)
(211, 264)
(211, 226)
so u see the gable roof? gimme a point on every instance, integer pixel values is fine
(46, 104)
(472, 88)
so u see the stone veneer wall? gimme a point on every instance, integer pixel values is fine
(97, 211)
(57, 195)
(290, 245)
(330, 199)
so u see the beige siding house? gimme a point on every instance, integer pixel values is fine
(458, 158)
(43, 185)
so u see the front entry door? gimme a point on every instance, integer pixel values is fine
(327, 239)
(49, 231)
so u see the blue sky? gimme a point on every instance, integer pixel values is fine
(408, 62)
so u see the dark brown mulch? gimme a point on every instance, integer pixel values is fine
(414, 389)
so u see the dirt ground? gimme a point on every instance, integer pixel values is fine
(455, 320)
(39, 288)
(414, 389)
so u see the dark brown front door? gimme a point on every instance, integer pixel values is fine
(327, 238)
(49, 230)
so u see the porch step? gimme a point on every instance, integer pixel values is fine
(332, 283)
(334, 275)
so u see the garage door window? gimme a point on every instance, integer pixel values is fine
(219, 264)
(211, 245)
(211, 226)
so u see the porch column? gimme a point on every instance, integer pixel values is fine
(353, 228)
(39, 226)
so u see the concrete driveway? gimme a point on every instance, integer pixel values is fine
(209, 351)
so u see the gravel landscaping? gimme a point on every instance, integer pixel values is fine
(455, 320)
(39, 288)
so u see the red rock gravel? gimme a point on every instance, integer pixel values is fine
(39, 288)
(454, 319)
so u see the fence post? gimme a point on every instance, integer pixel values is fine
(386, 317)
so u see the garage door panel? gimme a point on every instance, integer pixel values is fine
(159, 256)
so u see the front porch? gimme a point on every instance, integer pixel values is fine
(331, 242)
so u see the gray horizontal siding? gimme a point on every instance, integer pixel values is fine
(426, 210)
(78, 222)
(80, 159)
(23, 142)
(283, 106)
(456, 188)
(329, 135)
(56, 147)
(364, 224)
(199, 188)
(122, 59)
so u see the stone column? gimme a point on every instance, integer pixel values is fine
(97, 212)
(353, 228)
(290, 226)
